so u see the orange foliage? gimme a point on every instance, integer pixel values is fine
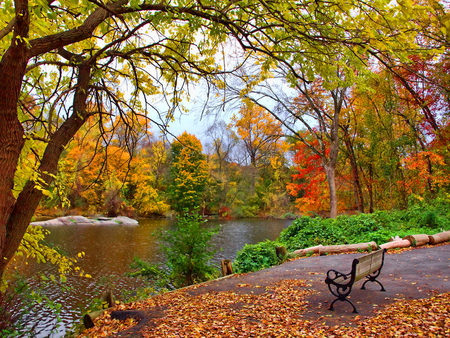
(277, 312)
(310, 181)
(418, 173)
(260, 132)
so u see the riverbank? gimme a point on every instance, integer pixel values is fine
(291, 300)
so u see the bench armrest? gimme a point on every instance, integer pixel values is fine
(338, 278)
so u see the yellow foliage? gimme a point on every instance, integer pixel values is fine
(32, 246)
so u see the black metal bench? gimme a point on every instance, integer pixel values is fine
(368, 266)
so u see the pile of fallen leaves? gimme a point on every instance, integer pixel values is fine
(106, 326)
(405, 318)
(278, 312)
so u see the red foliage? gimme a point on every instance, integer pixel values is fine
(310, 185)
(225, 212)
(423, 82)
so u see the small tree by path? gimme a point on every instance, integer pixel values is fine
(188, 250)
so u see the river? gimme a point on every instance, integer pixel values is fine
(109, 251)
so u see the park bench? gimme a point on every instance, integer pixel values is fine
(368, 266)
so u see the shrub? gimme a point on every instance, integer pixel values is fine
(306, 232)
(296, 226)
(188, 250)
(353, 228)
(155, 274)
(380, 226)
(255, 257)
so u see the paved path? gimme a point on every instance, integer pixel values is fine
(413, 274)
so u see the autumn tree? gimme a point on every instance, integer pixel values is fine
(262, 159)
(355, 40)
(146, 188)
(308, 184)
(316, 109)
(259, 132)
(385, 131)
(123, 173)
(222, 143)
(188, 173)
(220, 146)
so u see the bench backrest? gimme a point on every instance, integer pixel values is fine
(368, 264)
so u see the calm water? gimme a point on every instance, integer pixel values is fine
(109, 252)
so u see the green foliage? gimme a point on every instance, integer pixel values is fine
(188, 251)
(145, 269)
(255, 257)
(188, 175)
(307, 231)
(379, 227)
(248, 211)
(157, 275)
(297, 225)
(33, 246)
(434, 214)
(24, 297)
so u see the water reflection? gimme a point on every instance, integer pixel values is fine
(109, 251)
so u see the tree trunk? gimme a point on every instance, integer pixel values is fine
(355, 172)
(21, 212)
(310, 250)
(330, 164)
(331, 179)
(440, 237)
(404, 243)
(227, 267)
(328, 249)
(12, 70)
(369, 182)
(418, 240)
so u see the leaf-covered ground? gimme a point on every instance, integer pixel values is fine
(277, 312)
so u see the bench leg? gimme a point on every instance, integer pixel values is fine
(363, 287)
(343, 300)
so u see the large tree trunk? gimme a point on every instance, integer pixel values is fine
(21, 212)
(330, 165)
(331, 249)
(15, 216)
(12, 70)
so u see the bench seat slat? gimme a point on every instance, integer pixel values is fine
(368, 264)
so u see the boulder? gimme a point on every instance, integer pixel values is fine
(81, 220)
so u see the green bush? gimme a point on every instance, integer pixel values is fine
(307, 231)
(356, 225)
(297, 225)
(255, 257)
(421, 217)
(188, 250)
(158, 276)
